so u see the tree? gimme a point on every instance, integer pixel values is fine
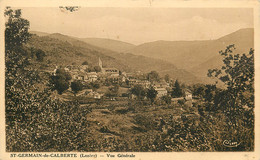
(16, 29)
(237, 73)
(177, 91)
(60, 81)
(151, 94)
(40, 54)
(139, 91)
(199, 90)
(95, 85)
(153, 76)
(76, 86)
(210, 92)
(30, 109)
(59, 84)
(167, 99)
(113, 91)
(62, 72)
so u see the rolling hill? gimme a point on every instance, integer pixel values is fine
(196, 56)
(64, 50)
(243, 40)
(187, 61)
(110, 44)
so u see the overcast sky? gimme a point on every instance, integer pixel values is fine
(139, 25)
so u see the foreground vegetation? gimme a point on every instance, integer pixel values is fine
(38, 121)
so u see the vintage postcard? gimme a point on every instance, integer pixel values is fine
(129, 80)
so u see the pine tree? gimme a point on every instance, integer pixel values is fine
(177, 91)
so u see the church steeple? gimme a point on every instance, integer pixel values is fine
(100, 63)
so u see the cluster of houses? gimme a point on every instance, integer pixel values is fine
(80, 72)
(89, 93)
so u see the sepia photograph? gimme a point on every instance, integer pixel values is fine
(129, 79)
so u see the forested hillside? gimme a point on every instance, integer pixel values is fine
(197, 56)
(65, 50)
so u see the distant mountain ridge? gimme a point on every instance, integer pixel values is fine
(110, 44)
(197, 56)
(188, 54)
(184, 60)
(64, 50)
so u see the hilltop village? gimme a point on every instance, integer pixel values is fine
(103, 82)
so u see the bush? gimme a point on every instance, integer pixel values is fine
(167, 99)
(181, 102)
(60, 81)
(144, 121)
(76, 86)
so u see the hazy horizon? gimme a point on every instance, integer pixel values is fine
(141, 25)
(133, 43)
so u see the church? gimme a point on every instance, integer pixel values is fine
(108, 71)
